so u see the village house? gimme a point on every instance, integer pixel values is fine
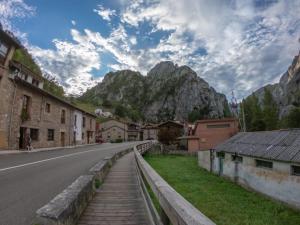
(29, 114)
(267, 162)
(114, 130)
(207, 134)
(134, 132)
(171, 128)
(150, 132)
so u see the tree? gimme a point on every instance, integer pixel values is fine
(120, 111)
(198, 114)
(292, 120)
(253, 114)
(270, 111)
(258, 125)
(168, 136)
(227, 113)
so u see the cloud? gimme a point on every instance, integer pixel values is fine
(73, 22)
(14, 9)
(246, 44)
(70, 62)
(232, 44)
(106, 14)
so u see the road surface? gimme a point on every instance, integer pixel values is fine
(29, 181)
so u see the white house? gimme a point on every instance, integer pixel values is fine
(267, 162)
(77, 127)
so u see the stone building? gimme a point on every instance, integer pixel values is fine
(28, 112)
(150, 132)
(134, 132)
(267, 162)
(114, 131)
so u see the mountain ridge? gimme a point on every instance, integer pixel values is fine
(286, 93)
(168, 91)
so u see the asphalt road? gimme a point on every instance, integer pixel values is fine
(29, 181)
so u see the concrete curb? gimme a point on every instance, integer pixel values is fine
(66, 207)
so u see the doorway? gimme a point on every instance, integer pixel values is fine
(88, 137)
(22, 139)
(62, 139)
(221, 162)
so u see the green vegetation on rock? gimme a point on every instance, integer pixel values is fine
(22, 56)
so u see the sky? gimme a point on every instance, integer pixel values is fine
(237, 45)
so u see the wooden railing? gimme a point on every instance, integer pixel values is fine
(173, 207)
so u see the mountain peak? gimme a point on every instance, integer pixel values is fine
(168, 92)
(162, 68)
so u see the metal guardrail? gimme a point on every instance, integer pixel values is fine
(174, 208)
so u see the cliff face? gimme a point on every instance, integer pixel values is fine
(167, 92)
(286, 93)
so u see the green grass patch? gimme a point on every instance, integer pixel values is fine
(97, 183)
(223, 201)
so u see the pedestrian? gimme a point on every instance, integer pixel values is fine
(28, 142)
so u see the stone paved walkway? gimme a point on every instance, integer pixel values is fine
(119, 200)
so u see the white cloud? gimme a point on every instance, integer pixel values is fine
(133, 40)
(247, 44)
(106, 14)
(12, 9)
(71, 63)
(231, 44)
(73, 22)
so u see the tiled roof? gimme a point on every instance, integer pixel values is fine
(282, 145)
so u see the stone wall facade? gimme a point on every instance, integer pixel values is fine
(150, 133)
(114, 130)
(29, 114)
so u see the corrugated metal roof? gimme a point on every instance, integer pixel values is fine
(283, 145)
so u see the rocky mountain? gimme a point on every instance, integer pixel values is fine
(167, 92)
(286, 93)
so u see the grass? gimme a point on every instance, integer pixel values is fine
(97, 183)
(223, 201)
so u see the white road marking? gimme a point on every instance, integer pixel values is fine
(49, 159)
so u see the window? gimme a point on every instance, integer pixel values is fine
(35, 82)
(50, 134)
(220, 154)
(237, 158)
(34, 134)
(83, 121)
(63, 116)
(3, 49)
(47, 107)
(90, 123)
(295, 170)
(218, 125)
(26, 100)
(75, 120)
(264, 164)
(25, 108)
